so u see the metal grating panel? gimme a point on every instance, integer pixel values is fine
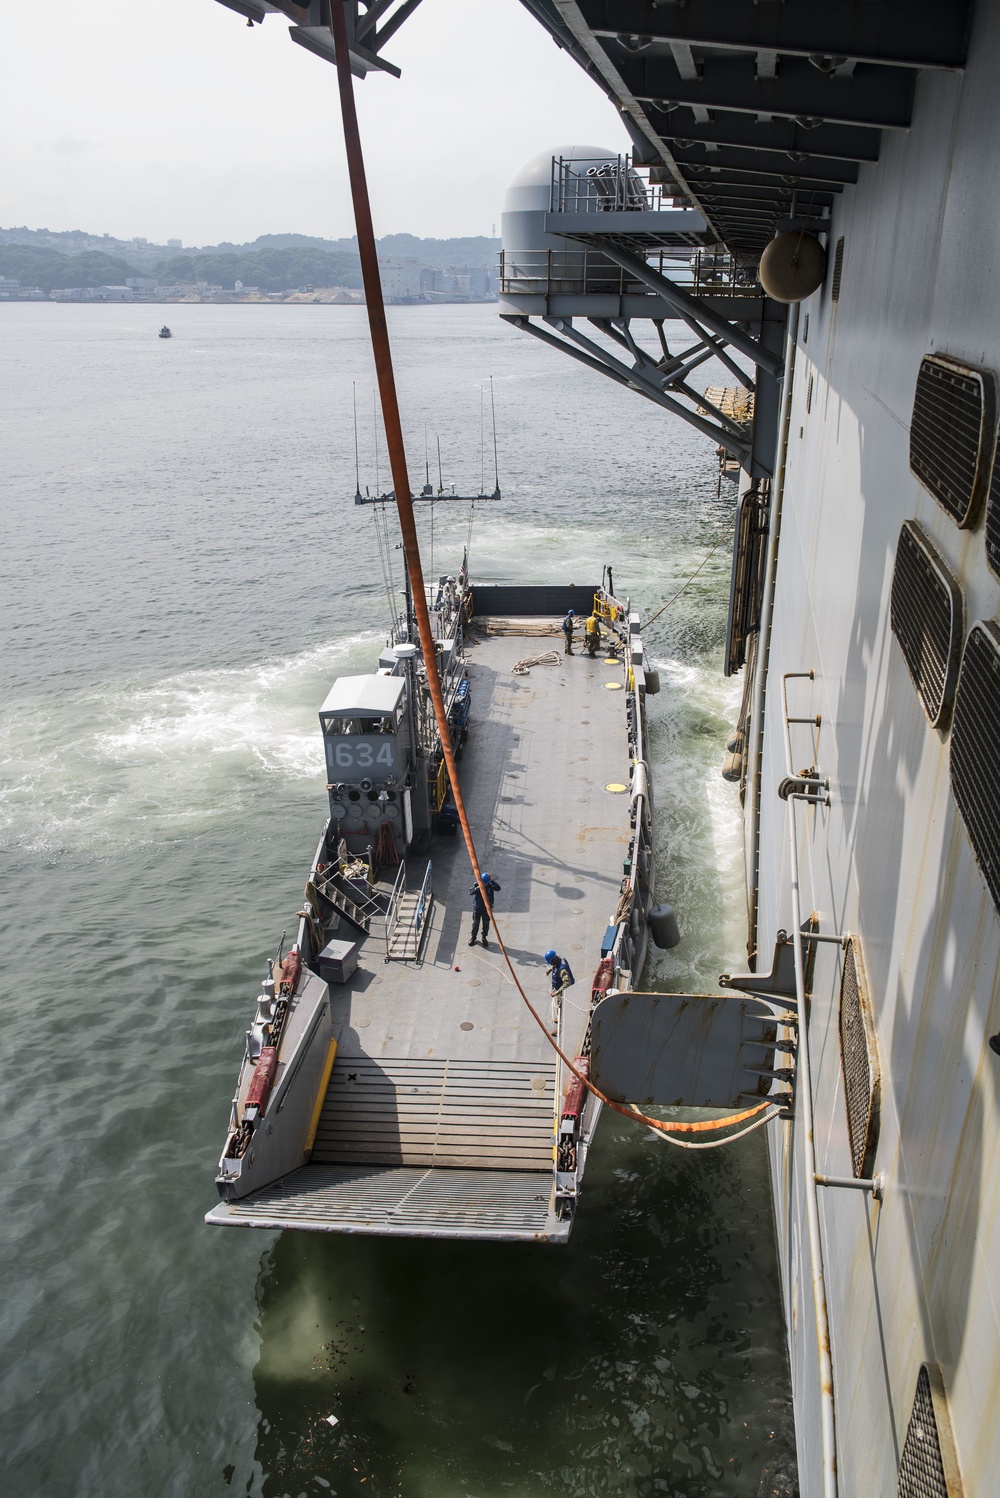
(974, 737)
(809, 395)
(408, 1201)
(413, 1111)
(951, 434)
(838, 270)
(928, 1468)
(928, 620)
(993, 516)
(859, 1059)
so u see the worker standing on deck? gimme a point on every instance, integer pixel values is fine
(592, 636)
(480, 909)
(567, 629)
(560, 978)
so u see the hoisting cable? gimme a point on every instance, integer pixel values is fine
(379, 330)
(704, 562)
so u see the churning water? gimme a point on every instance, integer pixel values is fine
(183, 573)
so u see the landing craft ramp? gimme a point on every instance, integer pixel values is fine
(441, 1112)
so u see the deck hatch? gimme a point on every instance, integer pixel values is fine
(974, 738)
(859, 1059)
(951, 434)
(928, 1467)
(927, 615)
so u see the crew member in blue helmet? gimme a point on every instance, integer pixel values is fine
(560, 978)
(480, 909)
(567, 629)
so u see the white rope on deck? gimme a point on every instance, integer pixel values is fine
(549, 658)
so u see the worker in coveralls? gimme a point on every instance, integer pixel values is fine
(592, 636)
(480, 910)
(560, 978)
(567, 629)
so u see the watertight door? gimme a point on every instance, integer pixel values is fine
(689, 1050)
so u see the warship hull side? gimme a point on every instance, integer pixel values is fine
(912, 1279)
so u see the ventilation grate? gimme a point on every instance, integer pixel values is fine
(809, 395)
(927, 616)
(993, 516)
(951, 432)
(974, 737)
(838, 270)
(859, 1059)
(928, 1467)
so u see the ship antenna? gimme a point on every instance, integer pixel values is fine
(357, 456)
(482, 442)
(427, 461)
(375, 425)
(496, 460)
(440, 479)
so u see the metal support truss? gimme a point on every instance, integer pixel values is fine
(648, 376)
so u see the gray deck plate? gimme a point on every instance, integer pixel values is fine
(408, 1201)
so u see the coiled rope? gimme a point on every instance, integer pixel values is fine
(549, 658)
(411, 550)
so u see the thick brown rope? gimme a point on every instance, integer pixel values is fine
(411, 549)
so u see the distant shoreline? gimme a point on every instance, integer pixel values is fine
(301, 301)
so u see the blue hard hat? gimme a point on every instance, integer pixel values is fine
(551, 956)
(571, 614)
(483, 875)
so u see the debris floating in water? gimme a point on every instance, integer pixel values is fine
(331, 1420)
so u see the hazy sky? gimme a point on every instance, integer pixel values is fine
(174, 119)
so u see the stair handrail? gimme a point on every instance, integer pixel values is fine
(418, 914)
(392, 909)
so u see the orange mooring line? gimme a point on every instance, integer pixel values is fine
(411, 548)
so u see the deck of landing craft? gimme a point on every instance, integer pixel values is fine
(440, 1113)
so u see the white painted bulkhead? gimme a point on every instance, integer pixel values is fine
(916, 1277)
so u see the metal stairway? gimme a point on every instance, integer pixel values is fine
(407, 932)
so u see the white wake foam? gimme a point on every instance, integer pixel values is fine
(143, 760)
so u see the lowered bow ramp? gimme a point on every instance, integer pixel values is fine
(423, 1148)
(415, 1203)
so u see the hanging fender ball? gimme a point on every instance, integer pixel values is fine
(792, 266)
(652, 683)
(663, 927)
(732, 768)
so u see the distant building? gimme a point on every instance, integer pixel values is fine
(175, 244)
(8, 288)
(141, 283)
(400, 279)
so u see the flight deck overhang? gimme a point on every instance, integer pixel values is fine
(756, 114)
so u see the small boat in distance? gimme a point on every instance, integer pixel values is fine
(165, 332)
